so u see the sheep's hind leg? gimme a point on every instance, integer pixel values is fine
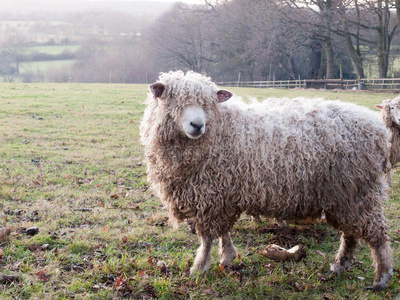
(227, 251)
(382, 256)
(202, 261)
(345, 257)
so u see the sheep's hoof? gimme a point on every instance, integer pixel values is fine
(376, 287)
(227, 261)
(338, 268)
(197, 270)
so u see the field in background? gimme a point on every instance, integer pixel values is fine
(42, 70)
(43, 67)
(54, 49)
(71, 164)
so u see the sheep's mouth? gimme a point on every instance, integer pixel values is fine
(194, 136)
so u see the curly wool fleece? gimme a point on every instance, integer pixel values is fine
(282, 158)
(389, 119)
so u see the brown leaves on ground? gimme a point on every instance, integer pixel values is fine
(9, 278)
(209, 292)
(43, 276)
(4, 233)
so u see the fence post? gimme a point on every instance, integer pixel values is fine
(238, 79)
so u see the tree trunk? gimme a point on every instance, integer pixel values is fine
(326, 9)
(382, 61)
(397, 4)
(330, 61)
(384, 38)
(322, 65)
(355, 54)
(315, 60)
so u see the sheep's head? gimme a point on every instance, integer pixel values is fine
(391, 110)
(189, 101)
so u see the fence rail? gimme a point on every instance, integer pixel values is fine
(386, 84)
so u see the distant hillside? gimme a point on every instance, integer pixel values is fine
(143, 8)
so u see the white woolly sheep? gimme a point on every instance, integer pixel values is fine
(391, 118)
(290, 159)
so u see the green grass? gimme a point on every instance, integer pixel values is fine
(54, 49)
(44, 66)
(65, 148)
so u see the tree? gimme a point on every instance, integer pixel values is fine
(16, 50)
(354, 51)
(320, 21)
(181, 38)
(7, 70)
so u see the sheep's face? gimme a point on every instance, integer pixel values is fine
(193, 121)
(392, 109)
(188, 114)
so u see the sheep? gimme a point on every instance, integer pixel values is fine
(391, 118)
(210, 161)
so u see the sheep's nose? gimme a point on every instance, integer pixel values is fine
(196, 126)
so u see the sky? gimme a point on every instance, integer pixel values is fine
(186, 1)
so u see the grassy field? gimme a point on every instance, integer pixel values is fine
(54, 49)
(71, 164)
(44, 66)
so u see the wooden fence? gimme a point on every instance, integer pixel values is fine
(386, 84)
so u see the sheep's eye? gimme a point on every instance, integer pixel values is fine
(391, 107)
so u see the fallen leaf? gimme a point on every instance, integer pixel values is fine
(32, 231)
(150, 260)
(8, 278)
(143, 274)
(209, 291)
(33, 247)
(221, 268)
(389, 295)
(119, 281)
(131, 121)
(43, 276)
(4, 233)
(162, 265)
(98, 186)
(1, 253)
(114, 196)
(124, 239)
(15, 266)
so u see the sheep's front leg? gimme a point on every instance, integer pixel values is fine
(389, 175)
(227, 251)
(202, 261)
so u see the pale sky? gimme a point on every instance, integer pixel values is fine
(186, 1)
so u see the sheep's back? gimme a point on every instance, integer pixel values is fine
(300, 153)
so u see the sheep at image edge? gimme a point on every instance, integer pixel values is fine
(210, 161)
(391, 118)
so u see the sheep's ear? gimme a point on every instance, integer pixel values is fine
(157, 89)
(379, 106)
(223, 96)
